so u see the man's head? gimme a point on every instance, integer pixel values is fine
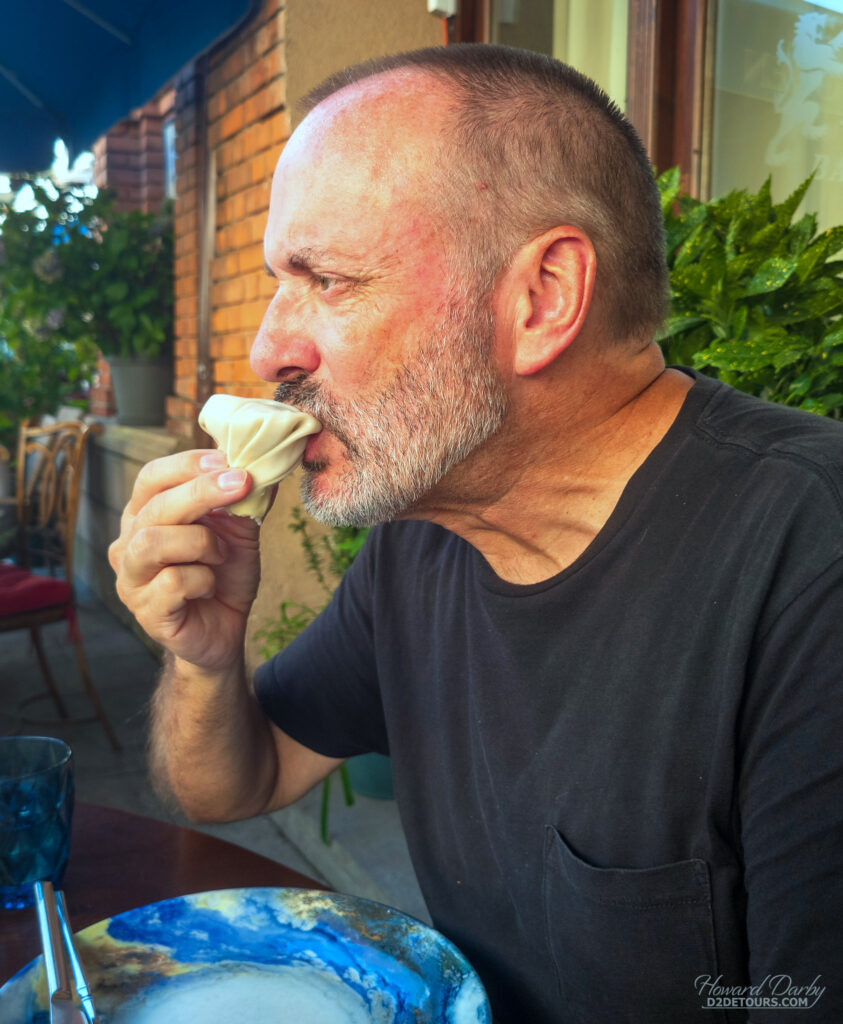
(530, 143)
(407, 194)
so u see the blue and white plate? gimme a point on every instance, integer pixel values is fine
(263, 956)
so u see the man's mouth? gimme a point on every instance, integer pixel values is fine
(309, 397)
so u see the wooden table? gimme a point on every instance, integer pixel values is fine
(119, 861)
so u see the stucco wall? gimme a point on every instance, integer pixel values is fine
(320, 37)
(324, 36)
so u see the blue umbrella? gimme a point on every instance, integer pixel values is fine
(71, 70)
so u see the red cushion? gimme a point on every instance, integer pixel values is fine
(20, 591)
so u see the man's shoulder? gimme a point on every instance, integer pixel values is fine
(787, 438)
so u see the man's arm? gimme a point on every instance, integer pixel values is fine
(201, 720)
(189, 573)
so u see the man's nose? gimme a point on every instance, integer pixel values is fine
(282, 347)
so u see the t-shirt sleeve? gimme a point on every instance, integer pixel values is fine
(791, 804)
(322, 689)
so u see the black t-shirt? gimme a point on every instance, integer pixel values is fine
(626, 779)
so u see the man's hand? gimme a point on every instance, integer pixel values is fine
(188, 572)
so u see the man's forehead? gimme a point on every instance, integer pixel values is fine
(358, 171)
(383, 118)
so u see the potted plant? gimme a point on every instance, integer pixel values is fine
(329, 558)
(78, 274)
(127, 308)
(756, 298)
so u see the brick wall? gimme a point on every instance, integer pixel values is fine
(129, 160)
(246, 123)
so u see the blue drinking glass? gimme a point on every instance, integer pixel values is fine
(36, 805)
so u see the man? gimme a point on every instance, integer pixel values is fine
(599, 634)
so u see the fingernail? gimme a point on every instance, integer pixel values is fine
(232, 480)
(213, 460)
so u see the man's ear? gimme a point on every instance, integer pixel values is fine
(552, 278)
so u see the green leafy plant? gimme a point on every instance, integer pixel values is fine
(76, 275)
(327, 560)
(42, 366)
(127, 261)
(756, 298)
(36, 378)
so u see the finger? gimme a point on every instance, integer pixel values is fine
(187, 502)
(154, 547)
(170, 471)
(166, 599)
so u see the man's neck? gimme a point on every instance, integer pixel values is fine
(537, 500)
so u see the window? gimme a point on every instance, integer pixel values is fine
(169, 133)
(777, 103)
(591, 35)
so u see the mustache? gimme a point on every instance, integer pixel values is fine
(312, 397)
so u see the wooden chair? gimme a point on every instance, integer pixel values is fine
(39, 589)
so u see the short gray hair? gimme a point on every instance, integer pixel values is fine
(534, 144)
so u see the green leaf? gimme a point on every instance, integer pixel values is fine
(678, 229)
(833, 336)
(116, 291)
(679, 350)
(800, 386)
(784, 211)
(693, 246)
(767, 238)
(733, 241)
(826, 405)
(668, 185)
(802, 233)
(813, 306)
(772, 274)
(738, 325)
(701, 279)
(736, 205)
(750, 355)
(787, 357)
(676, 323)
(764, 200)
(828, 244)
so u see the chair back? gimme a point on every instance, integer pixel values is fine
(48, 484)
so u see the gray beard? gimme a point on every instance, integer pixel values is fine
(442, 405)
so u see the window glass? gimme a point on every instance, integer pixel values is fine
(169, 132)
(778, 100)
(589, 34)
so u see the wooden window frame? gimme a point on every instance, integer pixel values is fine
(666, 76)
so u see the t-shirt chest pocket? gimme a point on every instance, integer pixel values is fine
(628, 944)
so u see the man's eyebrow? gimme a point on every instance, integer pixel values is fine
(307, 258)
(303, 259)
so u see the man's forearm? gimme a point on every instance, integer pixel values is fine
(211, 747)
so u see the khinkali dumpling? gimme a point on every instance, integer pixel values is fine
(262, 436)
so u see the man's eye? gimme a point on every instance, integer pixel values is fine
(325, 282)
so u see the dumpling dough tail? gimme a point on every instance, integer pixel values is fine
(264, 437)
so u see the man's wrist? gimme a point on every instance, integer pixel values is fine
(180, 672)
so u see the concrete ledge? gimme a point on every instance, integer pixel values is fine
(141, 444)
